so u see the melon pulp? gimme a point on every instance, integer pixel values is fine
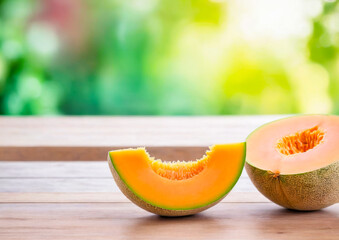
(177, 188)
(295, 161)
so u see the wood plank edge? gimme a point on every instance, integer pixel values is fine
(90, 153)
(116, 197)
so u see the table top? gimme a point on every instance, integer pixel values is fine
(63, 199)
(89, 138)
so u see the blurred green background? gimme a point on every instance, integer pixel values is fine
(168, 57)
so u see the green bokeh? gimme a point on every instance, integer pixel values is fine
(170, 57)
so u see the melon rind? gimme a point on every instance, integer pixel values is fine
(305, 191)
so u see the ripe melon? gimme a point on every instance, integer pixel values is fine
(177, 188)
(295, 161)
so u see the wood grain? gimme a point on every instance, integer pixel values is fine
(80, 185)
(54, 169)
(65, 176)
(27, 176)
(89, 138)
(109, 197)
(90, 153)
(120, 221)
(79, 200)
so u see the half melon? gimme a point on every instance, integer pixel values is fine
(295, 161)
(177, 188)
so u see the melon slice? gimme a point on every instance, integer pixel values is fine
(177, 188)
(295, 161)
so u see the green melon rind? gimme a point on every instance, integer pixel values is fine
(162, 210)
(305, 191)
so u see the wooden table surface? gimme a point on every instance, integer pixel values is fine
(51, 189)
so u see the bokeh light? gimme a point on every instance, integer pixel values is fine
(170, 57)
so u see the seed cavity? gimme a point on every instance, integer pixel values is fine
(179, 170)
(300, 141)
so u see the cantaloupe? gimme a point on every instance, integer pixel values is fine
(295, 161)
(177, 188)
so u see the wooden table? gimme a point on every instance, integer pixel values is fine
(45, 195)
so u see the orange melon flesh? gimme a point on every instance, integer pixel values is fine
(180, 185)
(295, 145)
